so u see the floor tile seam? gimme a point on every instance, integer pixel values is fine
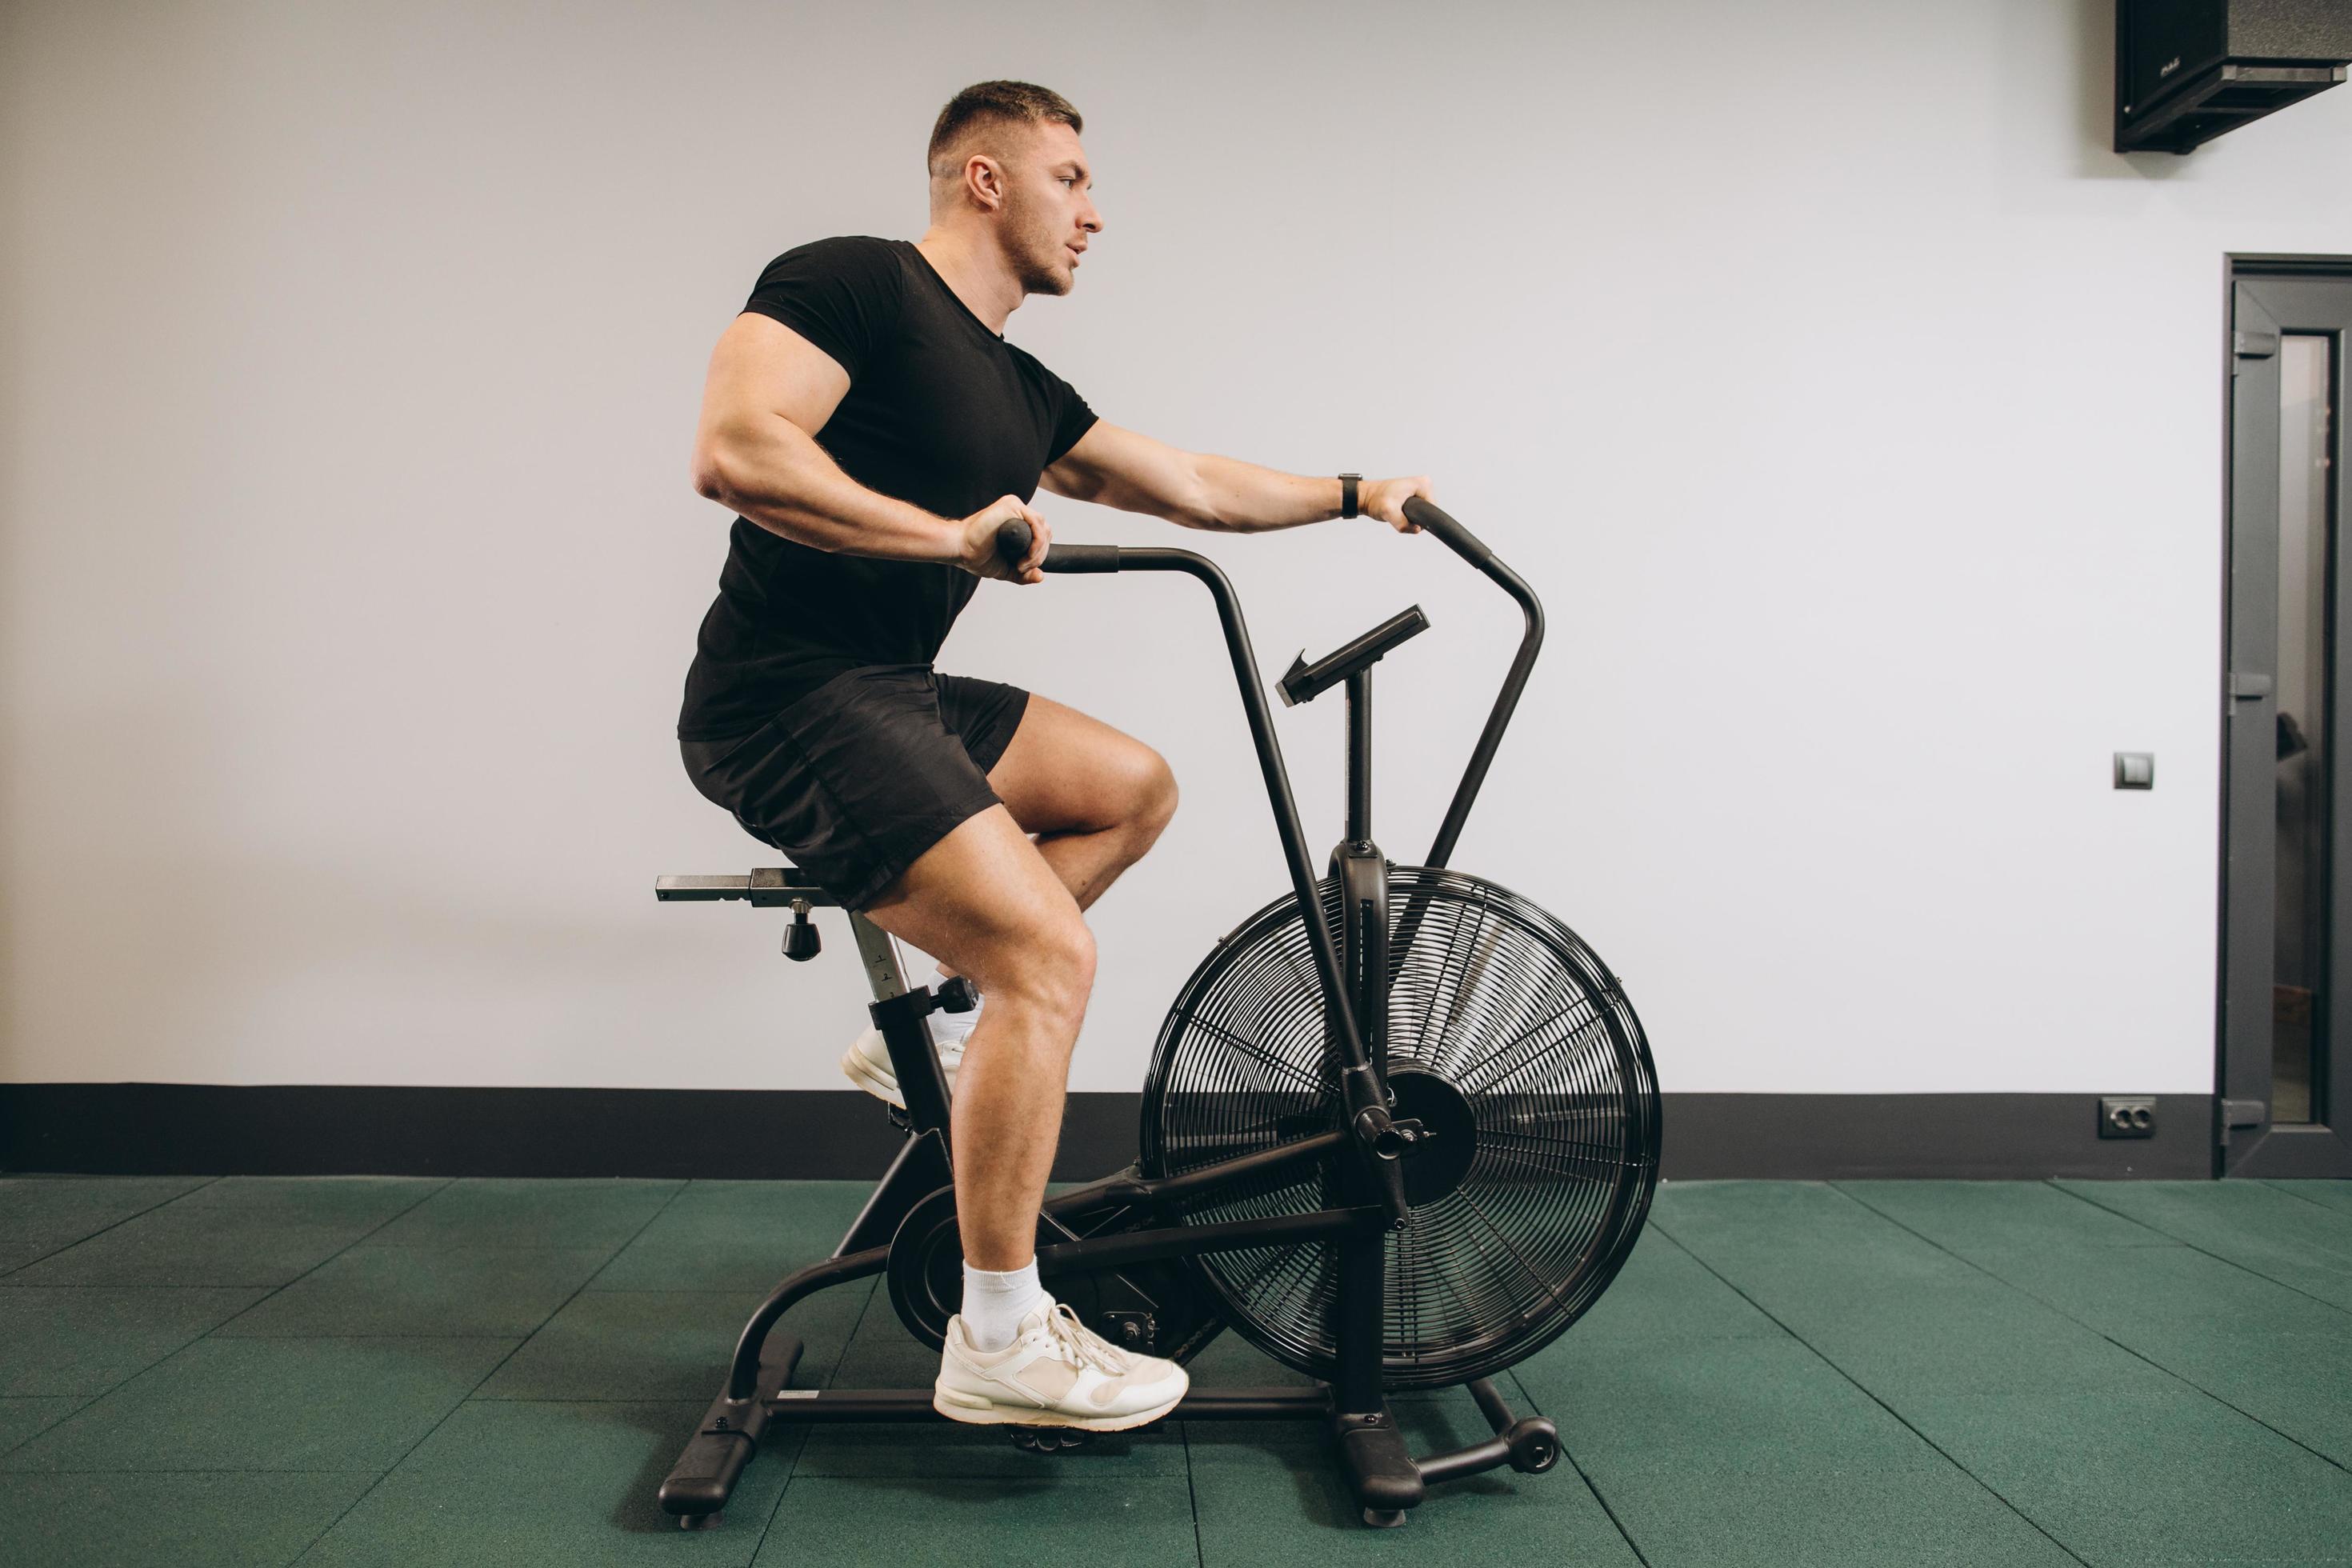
(1593, 1490)
(665, 1401)
(140, 1372)
(337, 1339)
(2218, 1258)
(784, 1487)
(2280, 1185)
(760, 1292)
(792, 1467)
(614, 1248)
(39, 1256)
(161, 1202)
(801, 1430)
(1527, 1398)
(592, 1288)
(783, 1491)
(270, 1291)
(8, 1448)
(102, 1230)
(196, 1470)
(518, 1336)
(1191, 1495)
(462, 1401)
(63, 1289)
(2028, 1294)
(2031, 1523)
(2184, 1379)
(2335, 1260)
(2012, 1285)
(433, 1188)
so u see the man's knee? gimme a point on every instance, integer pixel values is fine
(1153, 791)
(1050, 966)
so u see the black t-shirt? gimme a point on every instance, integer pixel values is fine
(941, 412)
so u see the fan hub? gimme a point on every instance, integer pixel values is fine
(1436, 1163)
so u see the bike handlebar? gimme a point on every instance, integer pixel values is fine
(1429, 516)
(1377, 1134)
(1013, 540)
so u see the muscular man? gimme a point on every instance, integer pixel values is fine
(871, 427)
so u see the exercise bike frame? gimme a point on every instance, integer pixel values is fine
(1366, 1153)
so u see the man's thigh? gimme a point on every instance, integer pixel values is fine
(982, 898)
(1067, 772)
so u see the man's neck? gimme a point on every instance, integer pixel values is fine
(978, 277)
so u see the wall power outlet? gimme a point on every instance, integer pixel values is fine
(2127, 1116)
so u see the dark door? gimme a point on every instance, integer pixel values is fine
(2286, 936)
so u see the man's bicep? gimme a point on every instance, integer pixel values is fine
(1123, 469)
(761, 369)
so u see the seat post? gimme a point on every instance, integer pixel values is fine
(901, 1013)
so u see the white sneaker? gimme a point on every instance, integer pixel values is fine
(1055, 1373)
(867, 1062)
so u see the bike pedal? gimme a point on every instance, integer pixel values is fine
(1048, 1439)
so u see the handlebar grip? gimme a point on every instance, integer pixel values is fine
(1013, 536)
(1459, 538)
(1013, 540)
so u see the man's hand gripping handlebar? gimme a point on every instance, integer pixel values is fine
(988, 533)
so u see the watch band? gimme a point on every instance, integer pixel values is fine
(1347, 494)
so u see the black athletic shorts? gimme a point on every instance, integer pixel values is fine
(855, 779)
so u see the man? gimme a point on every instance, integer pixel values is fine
(872, 428)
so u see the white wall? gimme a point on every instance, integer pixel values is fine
(1856, 413)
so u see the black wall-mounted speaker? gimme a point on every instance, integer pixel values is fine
(2188, 70)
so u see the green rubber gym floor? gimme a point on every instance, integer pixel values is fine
(356, 1371)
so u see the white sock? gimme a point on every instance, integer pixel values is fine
(953, 1028)
(994, 1304)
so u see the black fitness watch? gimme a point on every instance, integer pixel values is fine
(1347, 494)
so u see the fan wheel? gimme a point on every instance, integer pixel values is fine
(1507, 1037)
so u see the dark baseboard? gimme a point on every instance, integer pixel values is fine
(1985, 1137)
(139, 1129)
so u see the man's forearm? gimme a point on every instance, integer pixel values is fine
(788, 484)
(1245, 499)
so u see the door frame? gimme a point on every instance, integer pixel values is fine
(2264, 296)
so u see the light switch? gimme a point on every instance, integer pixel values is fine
(2135, 770)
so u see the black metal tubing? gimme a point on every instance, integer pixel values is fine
(743, 1375)
(1465, 544)
(1188, 1240)
(1530, 1444)
(1363, 1091)
(1269, 762)
(907, 1038)
(1360, 757)
(920, 1170)
(1490, 1455)
(1491, 1404)
(1166, 1192)
(794, 1408)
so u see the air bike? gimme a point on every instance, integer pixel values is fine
(1402, 1145)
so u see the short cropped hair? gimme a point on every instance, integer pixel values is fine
(991, 103)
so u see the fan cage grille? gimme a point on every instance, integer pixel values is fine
(1489, 990)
